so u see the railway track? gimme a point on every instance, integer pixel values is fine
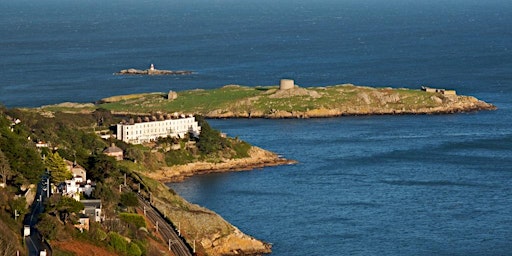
(176, 244)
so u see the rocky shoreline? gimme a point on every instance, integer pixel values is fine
(446, 104)
(215, 235)
(259, 158)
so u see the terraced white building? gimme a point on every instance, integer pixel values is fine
(141, 131)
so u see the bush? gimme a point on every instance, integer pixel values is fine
(134, 219)
(177, 157)
(129, 199)
(241, 149)
(117, 242)
(134, 250)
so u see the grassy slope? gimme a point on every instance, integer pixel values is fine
(347, 99)
(240, 99)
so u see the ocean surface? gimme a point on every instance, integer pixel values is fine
(371, 185)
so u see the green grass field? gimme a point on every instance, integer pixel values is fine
(243, 99)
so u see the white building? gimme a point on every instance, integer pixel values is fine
(92, 208)
(140, 132)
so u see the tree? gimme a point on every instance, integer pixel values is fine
(5, 168)
(58, 168)
(102, 116)
(64, 206)
(48, 226)
(129, 199)
(210, 140)
(18, 206)
(101, 167)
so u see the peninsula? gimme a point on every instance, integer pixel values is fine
(152, 71)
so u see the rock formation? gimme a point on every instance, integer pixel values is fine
(152, 71)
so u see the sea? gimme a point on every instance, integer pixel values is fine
(363, 185)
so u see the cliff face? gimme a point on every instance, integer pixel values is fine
(210, 233)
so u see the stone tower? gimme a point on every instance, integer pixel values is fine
(286, 84)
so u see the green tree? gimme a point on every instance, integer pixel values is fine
(18, 205)
(5, 168)
(209, 140)
(63, 206)
(23, 158)
(101, 167)
(129, 199)
(58, 168)
(48, 226)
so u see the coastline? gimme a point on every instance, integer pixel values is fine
(259, 158)
(215, 235)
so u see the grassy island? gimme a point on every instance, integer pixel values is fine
(234, 101)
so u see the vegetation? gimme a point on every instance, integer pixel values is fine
(263, 101)
(57, 167)
(72, 137)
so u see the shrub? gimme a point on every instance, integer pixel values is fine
(132, 218)
(117, 242)
(134, 250)
(177, 157)
(129, 199)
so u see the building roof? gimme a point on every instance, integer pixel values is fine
(92, 203)
(113, 149)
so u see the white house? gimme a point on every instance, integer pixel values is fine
(92, 208)
(146, 131)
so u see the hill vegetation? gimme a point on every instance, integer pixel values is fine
(74, 137)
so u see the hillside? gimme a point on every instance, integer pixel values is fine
(64, 136)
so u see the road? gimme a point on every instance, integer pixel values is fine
(176, 244)
(34, 242)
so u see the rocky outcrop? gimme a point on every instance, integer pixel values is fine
(208, 231)
(212, 234)
(259, 158)
(133, 71)
(368, 101)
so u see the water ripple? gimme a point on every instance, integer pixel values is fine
(433, 183)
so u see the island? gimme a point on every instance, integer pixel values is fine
(288, 100)
(152, 71)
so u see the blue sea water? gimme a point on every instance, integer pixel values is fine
(388, 185)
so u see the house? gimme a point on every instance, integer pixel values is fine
(70, 188)
(114, 151)
(150, 129)
(79, 173)
(92, 209)
(78, 184)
